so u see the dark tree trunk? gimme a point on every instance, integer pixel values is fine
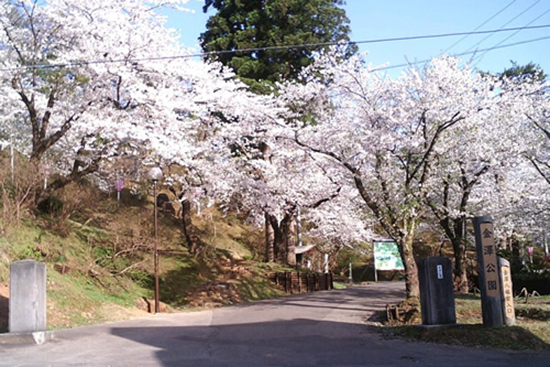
(269, 240)
(291, 243)
(278, 245)
(516, 263)
(284, 239)
(455, 231)
(411, 270)
(460, 273)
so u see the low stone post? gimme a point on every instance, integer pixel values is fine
(27, 297)
(437, 303)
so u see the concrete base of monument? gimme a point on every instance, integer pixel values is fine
(37, 337)
(438, 326)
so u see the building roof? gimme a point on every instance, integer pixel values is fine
(303, 249)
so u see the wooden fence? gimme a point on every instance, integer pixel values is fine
(296, 282)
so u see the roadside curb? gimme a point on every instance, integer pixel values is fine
(37, 337)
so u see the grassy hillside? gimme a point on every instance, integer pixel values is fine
(99, 258)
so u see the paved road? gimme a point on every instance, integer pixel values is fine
(319, 329)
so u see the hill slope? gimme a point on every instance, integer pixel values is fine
(99, 261)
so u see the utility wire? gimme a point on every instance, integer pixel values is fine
(271, 48)
(504, 25)
(481, 25)
(464, 53)
(480, 57)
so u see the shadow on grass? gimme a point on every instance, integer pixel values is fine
(467, 296)
(176, 284)
(510, 337)
(258, 288)
(533, 313)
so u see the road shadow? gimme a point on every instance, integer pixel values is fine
(298, 342)
(304, 342)
(295, 342)
(334, 336)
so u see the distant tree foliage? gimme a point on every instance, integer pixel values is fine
(530, 72)
(240, 24)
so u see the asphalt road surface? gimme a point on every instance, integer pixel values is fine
(316, 329)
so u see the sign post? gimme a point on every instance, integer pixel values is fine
(507, 293)
(386, 257)
(119, 185)
(491, 299)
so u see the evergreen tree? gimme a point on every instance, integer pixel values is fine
(530, 72)
(251, 24)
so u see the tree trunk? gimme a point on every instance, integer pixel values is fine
(516, 264)
(457, 235)
(460, 273)
(269, 240)
(284, 241)
(291, 243)
(411, 270)
(279, 244)
(278, 239)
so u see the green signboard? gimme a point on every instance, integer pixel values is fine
(387, 257)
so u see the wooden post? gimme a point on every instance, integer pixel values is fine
(489, 280)
(289, 278)
(507, 293)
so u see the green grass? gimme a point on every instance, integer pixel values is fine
(512, 337)
(340, 285)
(530, 332)
(103, 282)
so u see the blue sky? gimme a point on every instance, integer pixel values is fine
(381, 19)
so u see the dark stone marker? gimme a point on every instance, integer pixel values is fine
(437, 302)
(27, 296)
(489, 280)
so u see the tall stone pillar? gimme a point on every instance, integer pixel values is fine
(27, 296)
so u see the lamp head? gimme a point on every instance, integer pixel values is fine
(154, 174)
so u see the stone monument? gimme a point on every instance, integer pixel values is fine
(27, 297)
(435, 275)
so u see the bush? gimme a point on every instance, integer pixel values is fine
(50, 205)
(17, 191)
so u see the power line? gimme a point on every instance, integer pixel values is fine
(274, 48)
(480, 57)
(505, 24)
(465, 53)
(481, 25)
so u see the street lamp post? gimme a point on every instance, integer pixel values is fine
(155, 174)
(119, 185)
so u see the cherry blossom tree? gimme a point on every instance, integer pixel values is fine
(76, 82)
(386, 135)
(471, 166)
(525, 203)
(271, 186)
